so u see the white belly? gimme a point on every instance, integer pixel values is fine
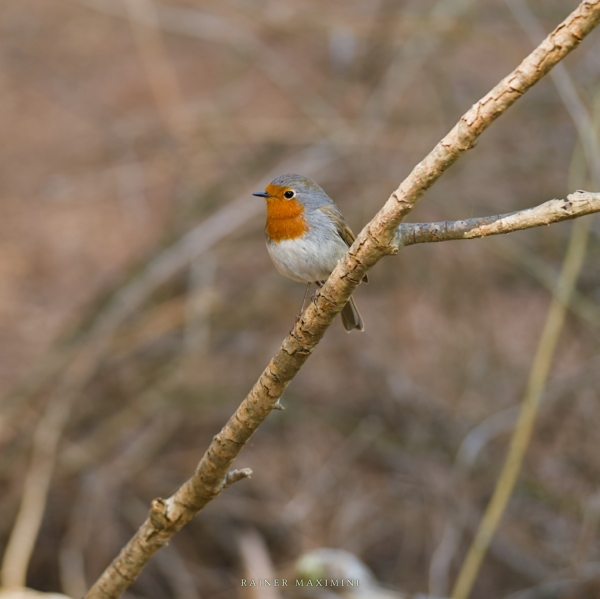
(305, 260)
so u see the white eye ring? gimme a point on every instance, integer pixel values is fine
(289, 194)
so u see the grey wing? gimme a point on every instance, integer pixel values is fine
(342, 227)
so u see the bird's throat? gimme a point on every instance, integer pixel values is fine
(285, 219)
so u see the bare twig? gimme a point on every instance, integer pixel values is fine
(553, 211)
(145, 443)
(161, 75)
(586, 584)
(376, 240)
(467, 515)
(322, 479)
(257, 564)
(523, 257)
(37, 480)
(182, 582)
(588, 533)
(201, 25)
(233, 476)
(442, 18)
(566, 90)
(477, 438)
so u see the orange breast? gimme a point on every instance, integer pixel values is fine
(285, 219)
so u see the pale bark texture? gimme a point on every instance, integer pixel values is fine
(577, 204)
(376, 240)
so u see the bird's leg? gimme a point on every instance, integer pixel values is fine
(319, 284)
(305, 296)
(303, 303)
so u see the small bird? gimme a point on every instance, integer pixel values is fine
(307, 235)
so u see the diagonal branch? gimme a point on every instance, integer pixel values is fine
(375, 241)
(577, 204)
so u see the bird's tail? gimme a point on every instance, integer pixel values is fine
(351, 317)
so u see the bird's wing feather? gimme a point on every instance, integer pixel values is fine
(342, 227)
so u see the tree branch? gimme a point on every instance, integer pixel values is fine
(577, 204)
(374, 241)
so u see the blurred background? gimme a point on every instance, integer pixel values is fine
(138, 303)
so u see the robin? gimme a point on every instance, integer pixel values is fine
(307, 235)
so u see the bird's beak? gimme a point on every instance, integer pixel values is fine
(262, 194)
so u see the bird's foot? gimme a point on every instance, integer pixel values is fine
(293, 330)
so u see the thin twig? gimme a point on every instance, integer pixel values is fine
(407, 63)
(201, 25)
(566, 90)
(161, 75)
(233, 476)
(525, 258)
(553, 211)
(476, 439)
(143, 444)
(37, 480)
(257, 564)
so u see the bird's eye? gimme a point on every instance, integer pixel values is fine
(289, 194)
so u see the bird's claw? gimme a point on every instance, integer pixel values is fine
(293, 330)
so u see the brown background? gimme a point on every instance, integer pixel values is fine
(117, 140)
